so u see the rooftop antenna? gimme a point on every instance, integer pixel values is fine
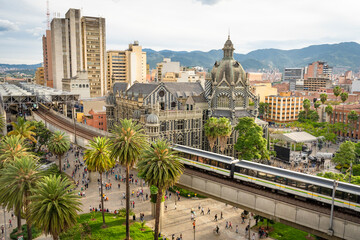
(48, 14)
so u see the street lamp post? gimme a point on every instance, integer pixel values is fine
(331, 231)
(4, 225)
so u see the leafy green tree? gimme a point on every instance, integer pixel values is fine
(17, 179)
(346, 153)
(53, 206)
(323, 98)
(264, 109)
(251, 145)
(160, 166)
(128, 140)
(98, 159)
(352, 117)
(311, 115)
(224, 130)
(211, 133)
(23, 129)
(59, 144)
(43, 134)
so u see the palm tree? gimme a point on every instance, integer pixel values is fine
(160, 166)
(323, 98)
(211, 133)
(329, 110)
(344, 96)
(352, 118)
(12, 148)
(98, 159)
(224, 130)
(59, 144)
(23, 129)
(128, 140)
(317, 105)
(2, 123)
(53, 207)
(306, 105)
(337, 91)
(16, 181)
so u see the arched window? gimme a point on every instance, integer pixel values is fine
(223, 102)
(239, 101)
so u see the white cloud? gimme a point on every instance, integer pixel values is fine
(209, 2)
(190, 24)
(6, 25)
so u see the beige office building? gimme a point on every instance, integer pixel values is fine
(94, 53)
(39, 76)
(126, 66)
(66, 46)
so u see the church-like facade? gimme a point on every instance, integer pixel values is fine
(178, 111)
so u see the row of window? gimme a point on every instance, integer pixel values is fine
(298, 184)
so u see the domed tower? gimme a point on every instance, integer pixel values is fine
(227, 88)
(152, 126)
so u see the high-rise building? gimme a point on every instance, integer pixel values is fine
(47, 58)
(314, 84)
(291, 75)
(116, 68)
(126, 66)
(66, 47)
(94, 53)
(318, 69)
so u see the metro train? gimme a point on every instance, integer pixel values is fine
(299, 185)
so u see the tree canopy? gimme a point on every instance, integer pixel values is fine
(346, 153)
(251, 145)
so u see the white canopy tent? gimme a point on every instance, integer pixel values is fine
(297, 137)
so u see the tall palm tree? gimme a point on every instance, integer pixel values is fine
(2, 123)
(306, 106)
(59, 144)
(17, 179)
(329, 110)
(323, 98)
(317, 105)
(12, 148)
(160, 166)
(98, 159)
(337, 91)
(53, 207)
(353, 117)
(23, 129)
(128, 140)
(344, 96)
(211, 133)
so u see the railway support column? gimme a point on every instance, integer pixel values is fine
(331, 230)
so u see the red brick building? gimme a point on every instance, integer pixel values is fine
(340, 115)
(95, 119)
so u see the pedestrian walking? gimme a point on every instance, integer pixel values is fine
(237, 229)
(208, 211)
(10, 224)
(221, 215)
(202, 211)
(215, 218)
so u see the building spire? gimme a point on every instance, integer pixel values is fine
(229, 34)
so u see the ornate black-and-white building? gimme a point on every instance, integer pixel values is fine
(178, 111)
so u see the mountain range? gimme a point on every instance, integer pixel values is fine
(344, 55)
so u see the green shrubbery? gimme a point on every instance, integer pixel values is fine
(35, 232)
(184, 192)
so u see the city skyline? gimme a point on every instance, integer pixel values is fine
(184, 25)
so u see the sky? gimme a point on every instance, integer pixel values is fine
(185, 25)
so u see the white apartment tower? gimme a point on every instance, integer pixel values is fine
(66, 46)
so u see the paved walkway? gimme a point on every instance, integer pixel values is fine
(176, 221)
